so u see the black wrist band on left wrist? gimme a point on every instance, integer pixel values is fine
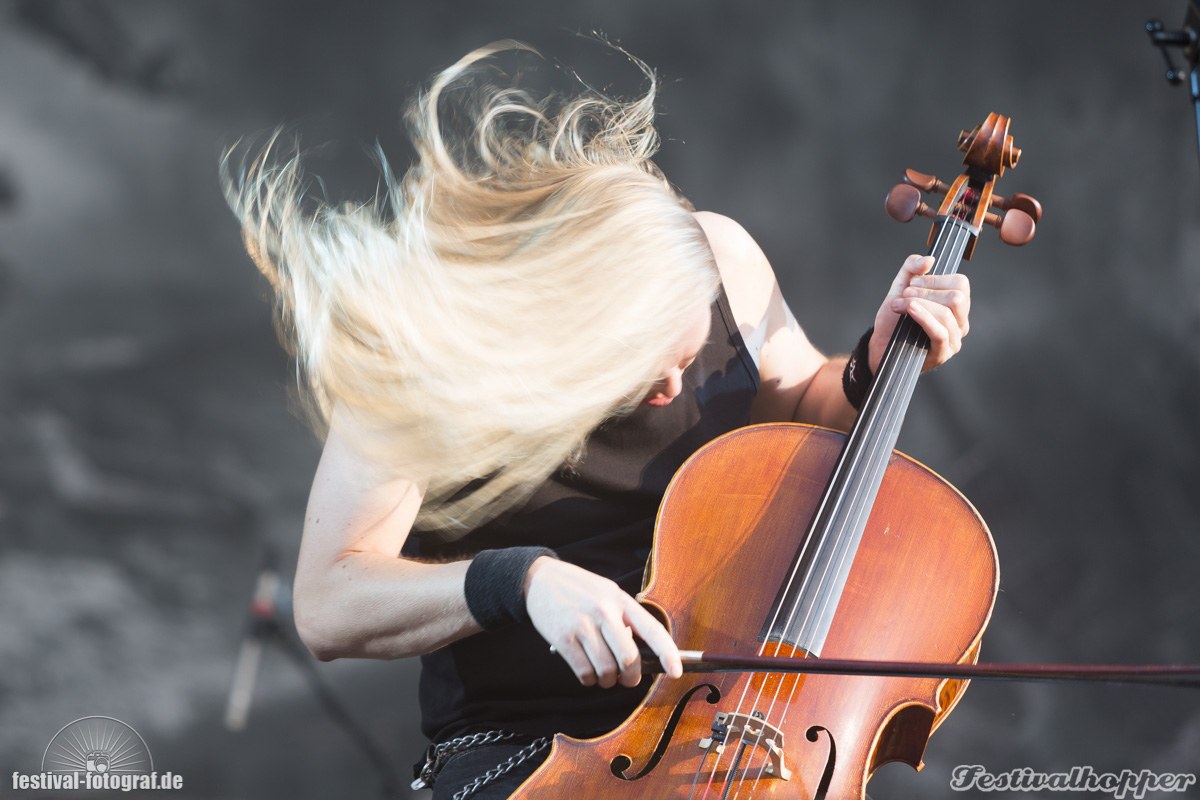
(857, 376)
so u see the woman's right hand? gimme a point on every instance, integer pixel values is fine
(590, 621)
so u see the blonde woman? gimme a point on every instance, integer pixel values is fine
(509, 358)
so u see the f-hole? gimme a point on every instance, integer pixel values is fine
(623, 762)
(812, 734)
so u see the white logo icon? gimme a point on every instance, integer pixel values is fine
(97, 745)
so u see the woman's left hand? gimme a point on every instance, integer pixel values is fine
(940, 304)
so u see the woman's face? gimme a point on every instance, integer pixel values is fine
(670, 384)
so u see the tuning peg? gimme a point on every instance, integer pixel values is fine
(1016, 226)
(926, 183)
(1021, 202)
(904, 202)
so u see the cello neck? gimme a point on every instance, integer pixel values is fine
(878, 424)
(805, 607)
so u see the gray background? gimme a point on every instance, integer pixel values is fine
(148, 450)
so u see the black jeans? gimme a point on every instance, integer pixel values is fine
(463, 768)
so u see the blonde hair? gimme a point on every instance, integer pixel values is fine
(529, 277)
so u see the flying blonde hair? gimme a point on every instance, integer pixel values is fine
(529, 277)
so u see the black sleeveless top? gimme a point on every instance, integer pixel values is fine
(599, 515)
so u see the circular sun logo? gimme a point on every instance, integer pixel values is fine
(98, 745)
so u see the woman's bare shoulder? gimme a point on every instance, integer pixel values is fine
(747, 275)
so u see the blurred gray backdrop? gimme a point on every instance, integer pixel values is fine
(149, 450)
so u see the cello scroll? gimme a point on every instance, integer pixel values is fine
(989, 151)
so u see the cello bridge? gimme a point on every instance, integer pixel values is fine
(751, 730)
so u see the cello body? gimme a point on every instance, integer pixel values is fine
(921, 588)
(798, 542)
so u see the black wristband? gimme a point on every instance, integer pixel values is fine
(857, 377)
(495, 585)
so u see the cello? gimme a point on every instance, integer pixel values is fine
(794, 543)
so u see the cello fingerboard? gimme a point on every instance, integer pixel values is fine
(805, 608)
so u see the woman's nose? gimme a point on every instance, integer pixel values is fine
(673, 383)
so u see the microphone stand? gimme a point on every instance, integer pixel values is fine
(1188, 40)
(269, 608)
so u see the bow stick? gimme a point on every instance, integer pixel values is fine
(1178, 675)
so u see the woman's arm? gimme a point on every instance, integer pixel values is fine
(354, 596)
(797, 382)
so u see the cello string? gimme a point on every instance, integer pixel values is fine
(840, 468)
(825, 542)
(820, 543)
(892, 407)
(853, 515)
(837, 495)
(875, 445)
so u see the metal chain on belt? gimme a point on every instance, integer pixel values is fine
(438, 754)
(515, 760)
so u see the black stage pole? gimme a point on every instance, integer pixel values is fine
(269, 622)
(1188, 40)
